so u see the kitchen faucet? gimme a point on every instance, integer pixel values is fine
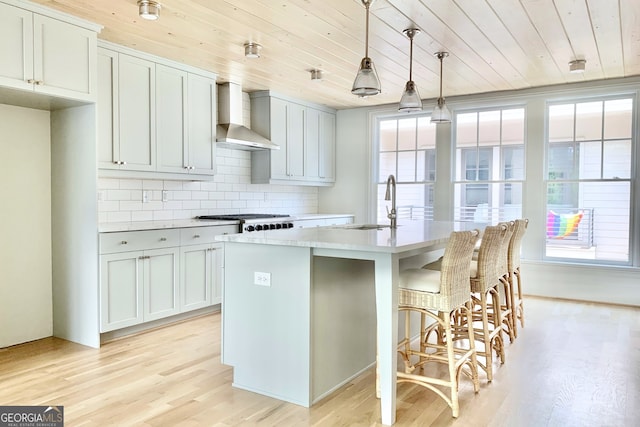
(391, 185)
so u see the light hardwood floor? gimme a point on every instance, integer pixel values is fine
(574, 364)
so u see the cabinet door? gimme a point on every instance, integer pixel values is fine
(312, 147)
(327, 149)
(202, 125)
(161, 283)
(171, 119)
(295, 141)
(278, 134)
(136, 99)
(196, 276)
(121, 277)
(16, 47)
(107, 110)
(64, 59)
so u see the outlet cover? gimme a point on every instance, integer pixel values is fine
(145, 196)
(261, 279)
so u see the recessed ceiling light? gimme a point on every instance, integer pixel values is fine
(577, 66)
(252, 50)
(149, 9)
(316, 75)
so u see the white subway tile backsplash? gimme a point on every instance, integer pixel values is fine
(230, 191)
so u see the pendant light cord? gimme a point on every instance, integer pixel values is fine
(411, 57)
(440, 55)
(366, 37)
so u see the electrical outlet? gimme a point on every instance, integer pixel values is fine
(261, 279)
(165, 196)
(145, 196)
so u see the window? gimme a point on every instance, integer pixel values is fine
(588, 170)
(489, 165)
(407, 150)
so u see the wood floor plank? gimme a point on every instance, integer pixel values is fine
(574, 364)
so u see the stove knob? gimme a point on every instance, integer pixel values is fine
(251, 228)
(288, 225)
(272, 226)
(258, 227)
(278, 226)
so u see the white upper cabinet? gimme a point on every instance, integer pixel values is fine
(306, 136)
(46, 55)
(185, 124)
(126, 112)
(155, 119)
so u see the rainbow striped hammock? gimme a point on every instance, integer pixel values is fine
(560, 226)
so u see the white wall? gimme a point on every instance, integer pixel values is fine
(25, 225)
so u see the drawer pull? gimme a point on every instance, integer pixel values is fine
(163, 239)
(124, 242)
(196, 236)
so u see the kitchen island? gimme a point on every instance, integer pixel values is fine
(303, 308)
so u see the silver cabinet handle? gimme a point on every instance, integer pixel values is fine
(39, 82)
(163, 239)
(31, 81)
(124, 242)
(196, 236)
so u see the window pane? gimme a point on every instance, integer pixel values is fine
(411, 200)
(513, 126)
(589, 121)
(407, 134)
(470, 164)
(489, 128)
(561, 161)
(388, 134)
(426, 133)
(484, 164)
(466, 130)
(561, 123)
(590, 160)
(617, 159)
(406, 166)
(513, 158)
(387, 166)
(592, 222)
(617, 118)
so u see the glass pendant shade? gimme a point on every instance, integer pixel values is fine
(410, 100)
(441, 113)
(366, 82)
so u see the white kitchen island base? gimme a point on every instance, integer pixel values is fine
(310, 331)
(277, 337)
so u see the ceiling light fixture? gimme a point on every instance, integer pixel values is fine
(366, 82)
(252, 50)
(441, 113)
(316, 75)
(149, 9)
(410, 100)
(577, 66)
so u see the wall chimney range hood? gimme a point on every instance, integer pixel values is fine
(230, 132)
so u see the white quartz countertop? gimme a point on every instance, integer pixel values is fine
(409, 235)
(110, 227)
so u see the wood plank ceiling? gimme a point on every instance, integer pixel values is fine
(494, 45)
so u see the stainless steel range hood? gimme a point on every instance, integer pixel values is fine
(230, 132)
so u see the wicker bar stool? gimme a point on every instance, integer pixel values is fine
(513, 261)
(505, 290)
(439, 295)
(485, 283)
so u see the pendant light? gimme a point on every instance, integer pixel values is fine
(441, 113)
(410, 100)
(366, 82)
(149, 9)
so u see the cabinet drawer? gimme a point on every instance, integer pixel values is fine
(138, 240)
(198, 235)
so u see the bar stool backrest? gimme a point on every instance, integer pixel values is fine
(516, 243)
(488, 264)
(503, 262)
(456, 262)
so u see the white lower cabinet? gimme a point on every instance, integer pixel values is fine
(153, 274)
(201, 275)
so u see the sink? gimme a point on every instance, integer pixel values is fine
(368, 227)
